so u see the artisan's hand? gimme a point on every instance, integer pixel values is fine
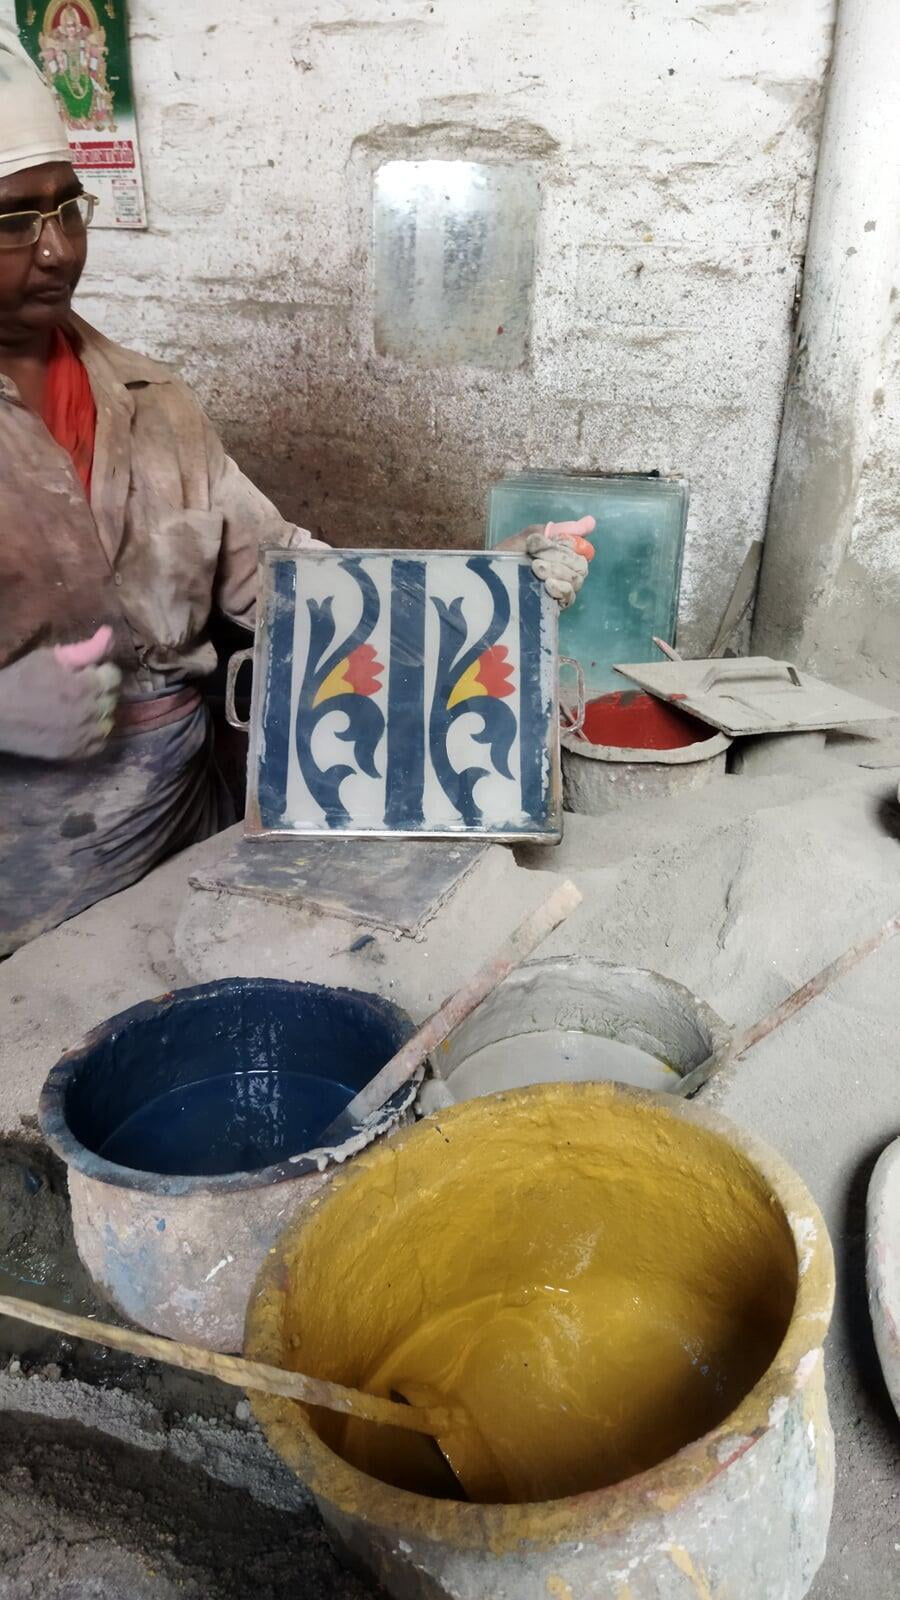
(560, 553)
(58, 704)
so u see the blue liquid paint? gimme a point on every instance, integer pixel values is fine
(235, 1122)
(226, 1078)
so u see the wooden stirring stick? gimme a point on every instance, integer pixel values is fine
(241, 1374)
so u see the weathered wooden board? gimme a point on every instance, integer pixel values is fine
(396, 884)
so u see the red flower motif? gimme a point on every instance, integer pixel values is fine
(363, 670)
(495, 672)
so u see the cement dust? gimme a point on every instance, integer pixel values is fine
(88, 1517)
(740, 892)
(38, 1258)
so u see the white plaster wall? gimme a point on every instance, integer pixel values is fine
(676, 144)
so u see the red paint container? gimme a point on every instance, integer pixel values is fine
(635, 747)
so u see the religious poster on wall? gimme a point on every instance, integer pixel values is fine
(82, 49)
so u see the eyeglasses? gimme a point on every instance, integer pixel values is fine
(20, 230)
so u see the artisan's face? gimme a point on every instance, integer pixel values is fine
(37, 281)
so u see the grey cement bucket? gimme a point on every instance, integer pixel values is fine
(573, 1019)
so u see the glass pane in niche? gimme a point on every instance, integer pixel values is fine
(454, 261)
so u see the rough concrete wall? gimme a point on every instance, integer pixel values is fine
(871, 577)
(861, 632)
(675, 141)
(830, 582)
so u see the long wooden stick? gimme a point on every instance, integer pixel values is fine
(741, 596)
(528, 935)
(234, 1370)
(788, 1008)
(668, 649)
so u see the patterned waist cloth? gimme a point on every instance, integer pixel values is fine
(143, 715)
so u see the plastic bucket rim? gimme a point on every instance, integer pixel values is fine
(684, 755)
(55, 1129)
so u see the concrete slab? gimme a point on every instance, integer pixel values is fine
(388, 883)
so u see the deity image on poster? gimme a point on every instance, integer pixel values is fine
(73, 54)
(82, 48)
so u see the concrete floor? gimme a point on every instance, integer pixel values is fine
(680, 887)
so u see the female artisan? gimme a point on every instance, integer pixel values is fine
(122, 525)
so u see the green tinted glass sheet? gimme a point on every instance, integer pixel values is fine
(631, 593)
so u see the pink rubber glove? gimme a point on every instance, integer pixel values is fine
(59, 704)
(577, 534)
(560, 552)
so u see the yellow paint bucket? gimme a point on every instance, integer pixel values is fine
(628, 1296)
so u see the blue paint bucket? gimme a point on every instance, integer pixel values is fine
(214, 1095)
(218, 1082)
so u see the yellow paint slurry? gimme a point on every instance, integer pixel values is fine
(595, 1290)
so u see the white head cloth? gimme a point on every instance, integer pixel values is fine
(31, 128)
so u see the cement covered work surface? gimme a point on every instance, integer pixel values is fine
(88, 1518)
(740, 893)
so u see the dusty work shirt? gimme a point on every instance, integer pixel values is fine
(172, 531)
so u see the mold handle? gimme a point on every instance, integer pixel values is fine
(235, 663)
(573, 724)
